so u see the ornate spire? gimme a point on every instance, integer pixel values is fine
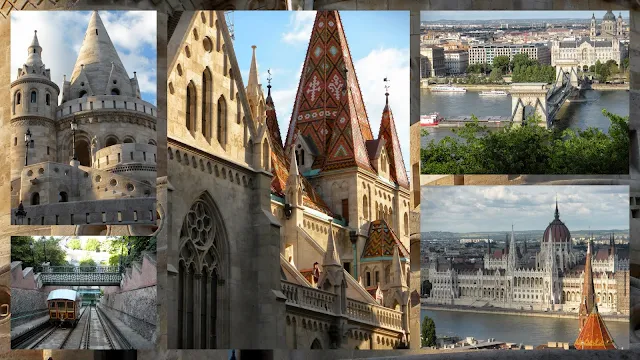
(268, 86)
(512, 251)
(588, 293)
(331, 257)
(389, 133)
(557, 214)
(329, 109)
(35, 52)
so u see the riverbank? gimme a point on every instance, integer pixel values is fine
(488, 87)
(609, 87)
(557, 315)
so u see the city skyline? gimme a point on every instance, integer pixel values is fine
(514, 15)
(531, 208)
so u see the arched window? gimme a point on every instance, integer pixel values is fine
(265, 155)
(47, 99)
(206, 103)
(232, 85)
(63, 197)
(111, 140)
(368, 279)
(222, 121)
(128, 140)
(34, 97)
(35, 199)
(365, 207)
(82, 94)
(202, 257)
(238, 110)
(191, 106)
(18, 98)
(115, 91)
(406, 224)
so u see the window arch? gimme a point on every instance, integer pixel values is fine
(34, 97)
(47, 99)
(365, 207)
(206, 103)
(232, 85)
(110, 141)
(115, 91)
(203, 262)
(190, 117)
(63, 197)
(222, 122)
(406, 224)
(18, 97)
(128, 140)
(82, 94)
(35, 198)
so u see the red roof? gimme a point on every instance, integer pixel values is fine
(392, 144)
(594, 334)
(381, 241)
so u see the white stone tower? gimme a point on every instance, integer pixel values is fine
(619, 26)
(33, 109)
(592, 29)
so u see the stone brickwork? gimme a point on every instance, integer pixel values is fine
(136, 308)
(27, 305)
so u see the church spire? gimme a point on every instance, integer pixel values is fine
(389, 133)
(329, 109)
(557, 214)
(588, 293)
(331, 257)
(253, 70)
(512, 251)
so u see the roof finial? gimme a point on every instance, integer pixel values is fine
(269, 83)
(557, 215)
(386, 88)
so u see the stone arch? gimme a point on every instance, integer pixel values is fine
(128, 139)
(17, 100)
(204, 253)
(35, 198)
(316, 344)
(528, 95)
(111, 140)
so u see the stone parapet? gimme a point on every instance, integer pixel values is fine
(115, 156)
(106, 102)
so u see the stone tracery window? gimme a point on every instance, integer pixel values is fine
(206, 103)
(201, 260)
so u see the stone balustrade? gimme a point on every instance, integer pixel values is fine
(373, 314)
(119, 156)
(105, 102)
(308, 298)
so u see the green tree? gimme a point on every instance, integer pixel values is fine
(428, 332)
(501, 63)
(89, 263)
(530, 149)
(131, 248)
(496, 75)
(74, 244)
(625, 64)
(92, 245)
(592, 68)
(44, 250)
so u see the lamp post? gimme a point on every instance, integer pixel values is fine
(27, 141)
(74, 127)
(20, 213)
(44, 245)
(33, 256)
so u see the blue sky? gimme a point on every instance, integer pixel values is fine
(498, 15)
(379, 45)
(60, 34)
(495, 208)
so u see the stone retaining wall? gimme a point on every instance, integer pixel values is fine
(27, 305)
(136, 308)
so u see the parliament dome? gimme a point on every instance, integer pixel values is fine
(557, 231)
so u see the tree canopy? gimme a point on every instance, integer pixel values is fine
(428, 332)
(74, 244)
(92, 245)
(531, 149)
(131, 248)
(21, 251)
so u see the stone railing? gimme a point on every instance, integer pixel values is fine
(308, 298)
(126, 153)
(78, 269)
(105, 102)
(374, 315)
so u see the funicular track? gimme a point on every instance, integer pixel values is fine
(94, 331)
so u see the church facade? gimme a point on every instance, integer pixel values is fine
(550, 279)
(603, 44)
(90, 160)
(298, 242)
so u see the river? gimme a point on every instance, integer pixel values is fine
(576, 115)
(517, 329)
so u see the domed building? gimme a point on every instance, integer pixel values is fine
(550, 279)
(89, 161)
(610, 27)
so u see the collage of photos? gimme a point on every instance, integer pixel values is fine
(340, 179)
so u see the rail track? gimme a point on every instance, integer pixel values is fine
(95, 331)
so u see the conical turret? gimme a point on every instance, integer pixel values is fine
(100, 62)
(588, 293)
(35, 52)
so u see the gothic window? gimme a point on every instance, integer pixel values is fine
(365, 207)
(18, 98)
(232, 85)
(406, 224)
(111, 140)
(82, 94)
(33, 97)
(63, 197)
(222, 122)
(206, 103)
(47, 99)
(201, 261)
(191, 107)
(238, 110)
(115, 91)
(35, 199)
(368, 279)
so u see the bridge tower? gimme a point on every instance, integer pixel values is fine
(528, 96)
(569, 66)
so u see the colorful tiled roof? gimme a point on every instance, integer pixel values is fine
(329, 110)
(280, 163)
(392, 145)
(594, 334)
(381, 241)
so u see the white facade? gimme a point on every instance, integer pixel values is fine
(456, 61)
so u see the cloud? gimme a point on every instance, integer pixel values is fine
(300, 27)
(495, 208)
(133, 33)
